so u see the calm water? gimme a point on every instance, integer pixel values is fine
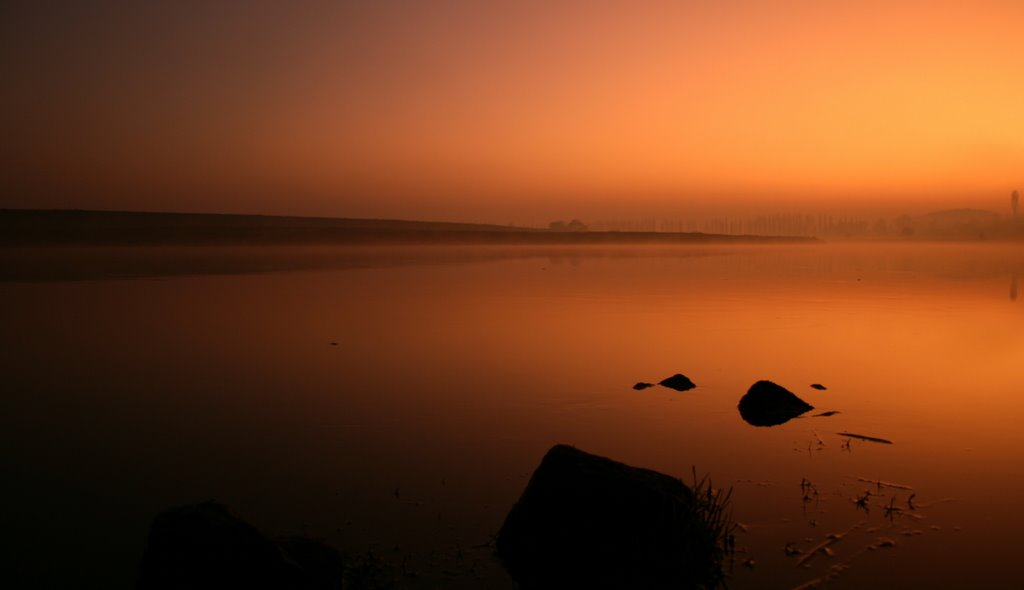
(134, 380)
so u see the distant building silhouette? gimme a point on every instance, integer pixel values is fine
(574, 225)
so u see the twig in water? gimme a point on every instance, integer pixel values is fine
(885, 484)
(828, 542)
(884, 441)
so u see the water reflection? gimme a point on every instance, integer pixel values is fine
(1013, 288)
(455, 369)
(818, 263)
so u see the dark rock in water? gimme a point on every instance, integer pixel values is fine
(586, 521)
(818, 386)
(678, 382)
(641, 386)
(768, 404)
(203, 546)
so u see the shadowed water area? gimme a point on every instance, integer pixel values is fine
(394, 401)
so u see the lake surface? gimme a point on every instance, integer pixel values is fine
(396, 400)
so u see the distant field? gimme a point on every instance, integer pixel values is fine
(73, 227)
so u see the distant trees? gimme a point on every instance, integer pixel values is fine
(904, 225)
(574, 225)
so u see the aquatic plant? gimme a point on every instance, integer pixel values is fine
(712, 507)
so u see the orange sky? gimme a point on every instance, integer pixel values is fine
(512, 111)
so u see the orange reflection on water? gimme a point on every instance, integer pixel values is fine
(455, 369)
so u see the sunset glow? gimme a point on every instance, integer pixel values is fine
(494, 294)
(502, 111)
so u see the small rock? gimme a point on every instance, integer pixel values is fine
(769, 404)
(678, 382)
(642, 385)
(818, 386)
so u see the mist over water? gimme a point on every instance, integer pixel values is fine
(398, 398)
(351, 269)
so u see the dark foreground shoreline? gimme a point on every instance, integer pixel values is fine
(61, 227)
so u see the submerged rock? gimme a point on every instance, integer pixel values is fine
(678, 382)
(768, 404)
(202, 546)
(586, 521)
(642, 385)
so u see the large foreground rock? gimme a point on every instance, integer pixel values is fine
(203, 546)
(586, 521)
(769, 404)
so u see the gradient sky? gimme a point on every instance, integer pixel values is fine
(511, 111)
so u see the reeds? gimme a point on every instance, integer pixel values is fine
(712, 508)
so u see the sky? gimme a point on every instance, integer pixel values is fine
(512, 112)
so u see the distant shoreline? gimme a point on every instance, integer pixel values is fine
(67, 227)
